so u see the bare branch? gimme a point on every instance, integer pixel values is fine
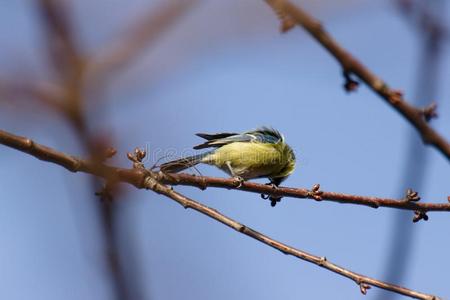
(203, 182)
(362, 281)
(69, 162)
(424, 21)
(136, 177)
(288, 12)
(62, 45)
(141, 33)
(46, 94)
(142, 178)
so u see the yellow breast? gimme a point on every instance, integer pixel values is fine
(248, 160)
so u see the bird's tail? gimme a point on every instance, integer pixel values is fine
(181, 164)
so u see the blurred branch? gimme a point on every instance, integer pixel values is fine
(141, 33)
(427, 19)
(65, 55)
(142, 178)
(427, 23)
(62, 46)
(291, 15)
(73, 72)
(70, 66)
(46, 94)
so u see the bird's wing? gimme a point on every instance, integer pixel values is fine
(262, 135)
(266, 135)
(223, 140)
(215, 136)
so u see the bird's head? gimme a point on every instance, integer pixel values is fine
(289, 165)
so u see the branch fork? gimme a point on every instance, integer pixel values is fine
(315, 193)
(146, 179)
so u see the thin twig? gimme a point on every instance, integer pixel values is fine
(290, 14)
(136, 177)
(142, 178)
(203, 182)
(69, 162)
(362, 281)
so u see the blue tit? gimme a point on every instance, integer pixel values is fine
(260, 153)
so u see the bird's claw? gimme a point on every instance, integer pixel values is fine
(273, 199)
(239, 181)
(272, 185)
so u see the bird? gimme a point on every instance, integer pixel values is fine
(259, 153)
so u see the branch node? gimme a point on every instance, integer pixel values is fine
(420, 215)
(242, 228)
(286, 21)
(322, 261)
(374, 204)
(203, 184)
(29, 143)
(395, 97)
(136, 157)
(287, 24)
(150, 183)
(429, 112)
(350, 84)
(315, 193)
(412, 196)
(76, 166)
(110, 152)
(363, 287)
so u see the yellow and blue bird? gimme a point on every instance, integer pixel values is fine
(260, 153)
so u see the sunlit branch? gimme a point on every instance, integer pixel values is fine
(291, 15)
(143, 178)
(364, 282)
(136, 178)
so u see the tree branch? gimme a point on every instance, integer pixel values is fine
(203, 182)
(142, 178)
(63, 48)
(144, 31)
(137, 177)
(291, 15)
(46, 94)
(362, 281)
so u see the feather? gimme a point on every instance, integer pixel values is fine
(181, 164)
(262, 135)
(215, 136)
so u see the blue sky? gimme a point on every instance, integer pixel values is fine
(211, 74)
